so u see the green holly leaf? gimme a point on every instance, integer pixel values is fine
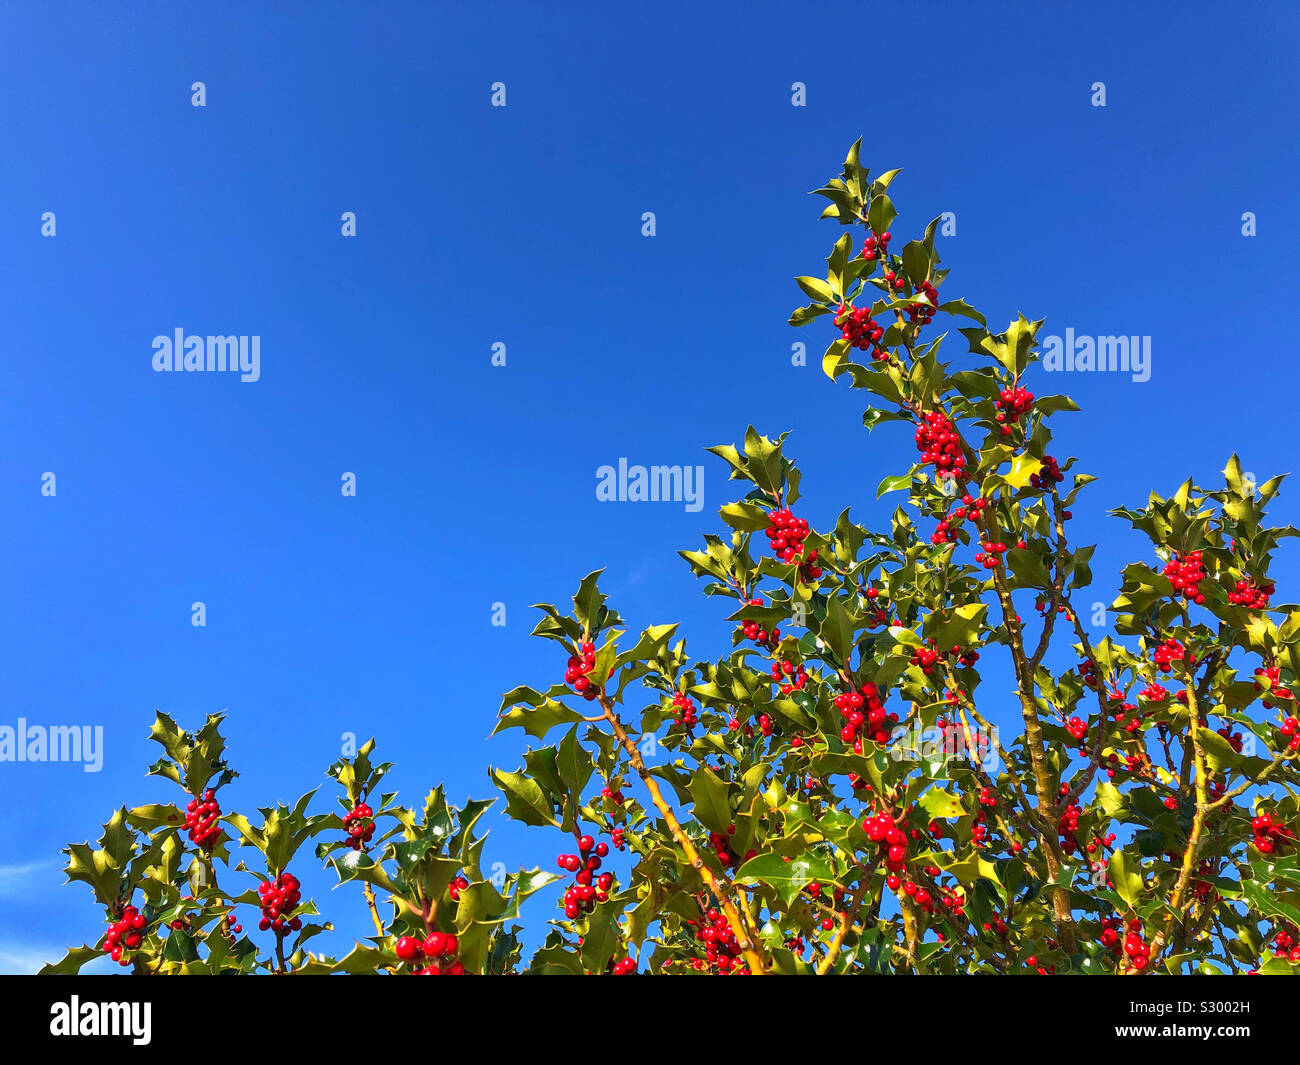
(894, 484)
(525, 800)
(787, 876)
(70, 964)
(709, 792)
(939, 803)
(1126, 874)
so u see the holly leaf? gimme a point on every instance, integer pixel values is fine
(712, 808)
(525, 800)
(787, 876)
(1126, 874)
(939, 803)
(70, 964)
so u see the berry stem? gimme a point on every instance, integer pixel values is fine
(369, 891)
(744, 936)
(1192, 851)
(1043, 787)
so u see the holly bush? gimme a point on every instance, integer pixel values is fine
(830, 796)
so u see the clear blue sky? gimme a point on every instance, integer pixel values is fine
(523, 225)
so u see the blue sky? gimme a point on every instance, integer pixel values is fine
(522, 225)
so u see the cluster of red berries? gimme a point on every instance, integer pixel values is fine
(1290, 729)
(1068, 826)
(1250, 595)
(227, 926)
(1286, 943)
(925, 657)
(126, 933)
(616, 838)
(895, 281)
(1154, 693)
(722, 847)
(623, 967)
(808, 569)
(1110, 930)
(1133, 763)
(278, 900)
(765, 724)
(1203, 889)
(864, 713)
(684, 711)
(790, 676)
(991, 556)
(923, 313)
(1044, 607)
(919, 895)
(201, 817)
(437, 948)
(1088, 673)
(1137, 949)
(588, 888)
(752, 630)
(1234, 738)
(1101, 842)
(957, 741)
(837, 898)
(860, 330)
(358, 823)
(613, 795)
(945, 532)
(880, 617)
(720, 947)
(1186, 574)
(1078, 728)
(1121, 711)
(880, 828)
(1169, 652)
(578, 668)
(1270, 673)
(786, 534)
(1270, 835)
(1049, 475)
(1013, 404)
(875, 246)
(1275, 691)
(457, 885)
(939, 444)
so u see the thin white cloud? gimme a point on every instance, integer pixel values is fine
(17, 960)
(27, 879)
(22, 959)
